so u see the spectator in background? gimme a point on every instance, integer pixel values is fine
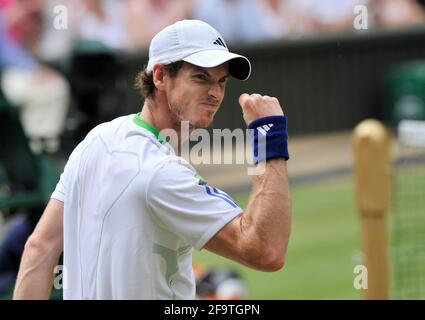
(55, 42)
(397, 13)
(42, 93)
(238, 20)
(100, 20)
(148, 17)
(329, 15)
(43, 96)
(338, 15)
(103, 21)
(22, 20)
(287, 17)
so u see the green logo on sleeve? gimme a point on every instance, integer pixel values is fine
(202, 181)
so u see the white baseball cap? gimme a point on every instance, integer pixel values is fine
(198, 43)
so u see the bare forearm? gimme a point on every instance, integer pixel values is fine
(36, 273)
(267, 219)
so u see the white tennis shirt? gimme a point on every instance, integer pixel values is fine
(133, 212)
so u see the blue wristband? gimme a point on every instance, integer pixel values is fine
(269, 138)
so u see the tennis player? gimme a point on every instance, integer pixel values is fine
(128, 211)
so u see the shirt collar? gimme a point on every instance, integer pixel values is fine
(146, 125)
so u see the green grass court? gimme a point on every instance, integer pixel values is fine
(325, 243)
(323, 249)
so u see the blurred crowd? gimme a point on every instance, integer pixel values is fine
(49, 30)
(130, 24)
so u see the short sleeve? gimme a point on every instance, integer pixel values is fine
(61, 188)
(186, 205)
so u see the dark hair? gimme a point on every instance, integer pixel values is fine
(144, 79)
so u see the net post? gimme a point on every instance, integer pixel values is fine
(372, 171)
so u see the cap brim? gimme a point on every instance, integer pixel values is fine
(239, 66)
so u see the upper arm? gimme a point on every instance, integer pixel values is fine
(49, 229)
(226, 242)
(259, 237)
(234, 241)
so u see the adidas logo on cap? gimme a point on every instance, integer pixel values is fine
(220, 42)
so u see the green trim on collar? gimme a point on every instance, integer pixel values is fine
(146, 125)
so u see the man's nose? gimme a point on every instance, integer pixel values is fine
(216, 91)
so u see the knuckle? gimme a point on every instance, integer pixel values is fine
(248, 103)
(243, 96)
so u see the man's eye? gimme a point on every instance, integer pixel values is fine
(201, 77)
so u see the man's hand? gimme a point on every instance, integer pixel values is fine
(256, 106)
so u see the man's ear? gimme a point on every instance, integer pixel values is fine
(159, 76)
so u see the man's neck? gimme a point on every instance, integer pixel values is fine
(161, 118)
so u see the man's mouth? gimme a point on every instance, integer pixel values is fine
(210, 106)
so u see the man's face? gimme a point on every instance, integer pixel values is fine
(196, 93)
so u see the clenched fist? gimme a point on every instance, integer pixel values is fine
(256, 106)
